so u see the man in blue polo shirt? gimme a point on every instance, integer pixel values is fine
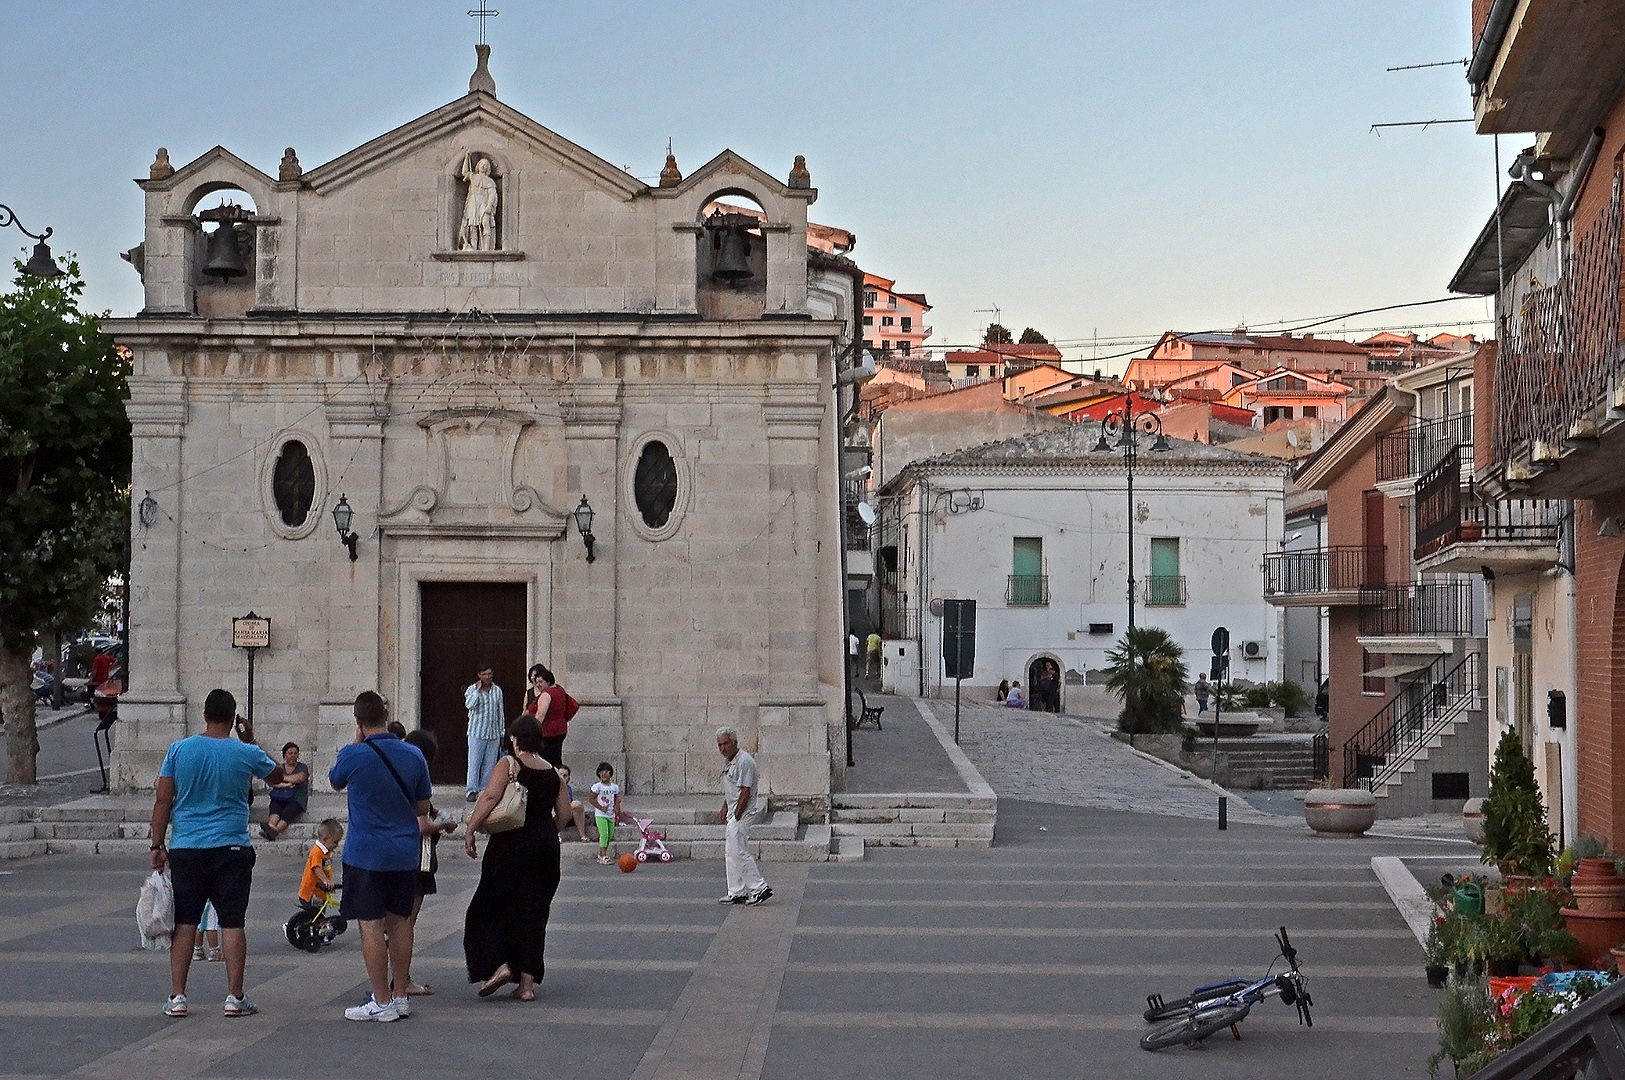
(389, 792)
(203, 790)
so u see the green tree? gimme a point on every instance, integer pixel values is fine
(1146, 669)
(1030, 336)
(64, 482)
(1516, 837)
(997, 335)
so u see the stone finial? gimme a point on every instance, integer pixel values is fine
(290, 168)
(799, 176)
(671, 175)
(161, 168)
(481, 81)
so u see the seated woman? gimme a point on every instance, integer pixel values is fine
(1004, 689)
(1015, 699)
(289, 798)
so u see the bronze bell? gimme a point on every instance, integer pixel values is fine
(731, 245)
(224, 256)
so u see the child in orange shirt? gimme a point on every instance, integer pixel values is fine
(317, 882)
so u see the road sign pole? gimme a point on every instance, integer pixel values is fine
(956, 711)
(1221, 664)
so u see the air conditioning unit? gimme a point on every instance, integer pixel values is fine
(1252, 650)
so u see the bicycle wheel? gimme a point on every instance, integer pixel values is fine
(1193, 1029)
(1182, 1007)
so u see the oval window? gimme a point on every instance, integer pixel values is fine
(654, 485)
(293, 483)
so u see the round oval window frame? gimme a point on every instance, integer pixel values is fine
(318, 502)
(679, 506)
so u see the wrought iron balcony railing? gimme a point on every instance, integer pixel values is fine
(1165, 590)
(1419, 609)
(1419, 446)
(1333, 569)
(1559, 348)
(1027, 590)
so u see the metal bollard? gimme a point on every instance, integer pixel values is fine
(1224, 813)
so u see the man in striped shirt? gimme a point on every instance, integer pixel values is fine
(483, 699)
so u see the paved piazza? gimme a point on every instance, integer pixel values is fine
(1032, 957)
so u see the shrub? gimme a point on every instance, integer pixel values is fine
(1515, 834)
(1146, 669)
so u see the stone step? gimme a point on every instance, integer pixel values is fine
(811, 844)
(943, 800)
(13, 833)
(23, 849)
(847, 849)
(918, 834)
(910, 815)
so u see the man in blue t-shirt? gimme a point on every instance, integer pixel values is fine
(389, 792)
(203, 791)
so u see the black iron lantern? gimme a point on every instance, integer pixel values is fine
(584, 515)
(342, 516)
(39, 264)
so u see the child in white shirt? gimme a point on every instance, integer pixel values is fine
(606, 808)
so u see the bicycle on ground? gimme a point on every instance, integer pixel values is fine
(1216, 1006)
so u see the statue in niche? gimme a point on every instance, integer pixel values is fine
(478, 231)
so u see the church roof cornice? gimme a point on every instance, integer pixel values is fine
(474, 107)
(730, 162)
(189, 172)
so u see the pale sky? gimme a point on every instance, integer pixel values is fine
(1089, 167)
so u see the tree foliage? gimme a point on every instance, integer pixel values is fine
(1516, 837)
(1030, 336)
(64, 480)
(1146, 669)
(997, 335)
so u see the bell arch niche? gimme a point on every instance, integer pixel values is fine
(731, 260)
(658, 485)
(293, 484)
(222, 251)
(479, 199)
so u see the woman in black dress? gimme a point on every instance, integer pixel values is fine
(505, 931)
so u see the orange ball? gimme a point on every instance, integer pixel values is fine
(628, 863)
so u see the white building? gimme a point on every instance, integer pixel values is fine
(462, 332)
(1034, 530)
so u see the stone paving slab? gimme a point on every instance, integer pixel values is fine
(905, 755)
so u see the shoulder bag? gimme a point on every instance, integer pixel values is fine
(509, 812)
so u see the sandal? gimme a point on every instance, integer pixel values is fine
(415, 990)
(523, 995)
(497, 981)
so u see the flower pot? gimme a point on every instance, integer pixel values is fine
(1503, 971)
(1597, 886)
(1618, 957)
(1470, 531)
(1595, 933)
(1438, 975)
(1340, 811)
(1472, 819)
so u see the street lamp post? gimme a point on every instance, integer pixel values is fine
(1124, 425)
(39, 264)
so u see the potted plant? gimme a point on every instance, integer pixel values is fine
(1516, 838)
(1340, 811)
(1436, 950)
(1595, 882)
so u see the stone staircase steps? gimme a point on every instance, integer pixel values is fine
(926, 819)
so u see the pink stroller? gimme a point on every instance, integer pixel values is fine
(653, 844)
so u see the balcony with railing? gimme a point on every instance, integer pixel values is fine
(1411, 452)
(1460, 530)
(1326, 577)
(1420, 609)
(1165, 590)
(1559, 389)
(1027, 590)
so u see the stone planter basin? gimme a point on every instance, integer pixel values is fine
(1228, 729)
(1472, 820)
(1340, 811)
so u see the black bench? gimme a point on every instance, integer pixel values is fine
(870, 713)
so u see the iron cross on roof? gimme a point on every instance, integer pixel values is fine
(482, 13)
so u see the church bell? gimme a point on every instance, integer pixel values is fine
(731, 245)
(224, 257)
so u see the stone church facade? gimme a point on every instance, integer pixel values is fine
(460, 331)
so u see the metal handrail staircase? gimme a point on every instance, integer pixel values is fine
(1410, 720)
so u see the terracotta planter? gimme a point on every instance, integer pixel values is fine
(1472, 819)
(1470, 531)
(1340, 811)
(1595, 934)
(1619, 958)
(1597, 886)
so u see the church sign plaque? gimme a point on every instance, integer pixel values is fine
(250, 632)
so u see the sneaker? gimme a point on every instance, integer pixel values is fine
(371, 1010)
(604, 860)
(402, 1006)
(759, 895)
(236, 1006)
(732, 899)
(175, 1006)
(198, 953)
(217, 955)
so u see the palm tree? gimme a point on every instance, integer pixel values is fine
(1147, 670)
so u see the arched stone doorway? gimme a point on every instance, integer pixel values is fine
(1044, 680)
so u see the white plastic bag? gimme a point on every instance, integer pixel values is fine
(155, 911)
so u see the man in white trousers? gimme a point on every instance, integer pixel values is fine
(739, 813)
